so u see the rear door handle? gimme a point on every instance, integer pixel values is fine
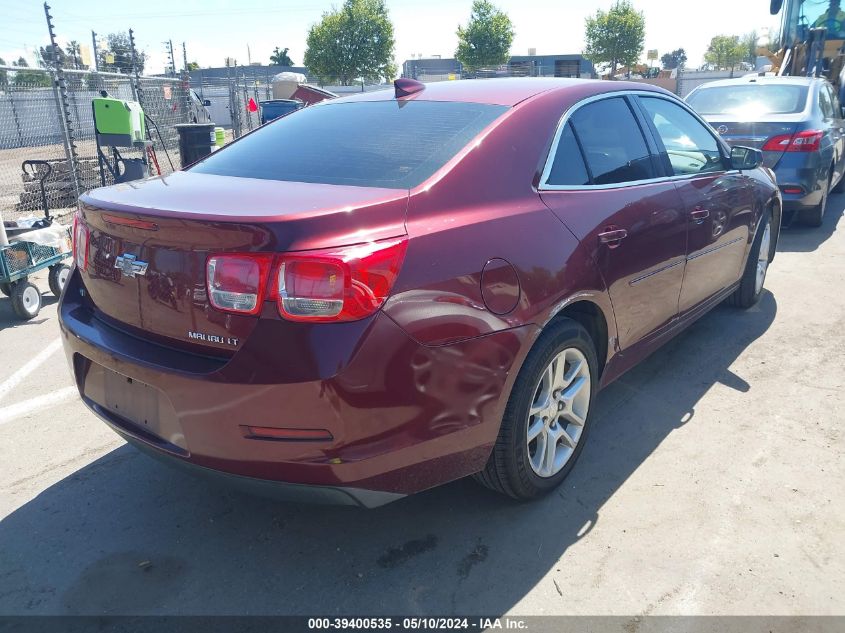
(612, 237)
(698, 215)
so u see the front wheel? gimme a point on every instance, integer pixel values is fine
(547, 416)
(754, 275)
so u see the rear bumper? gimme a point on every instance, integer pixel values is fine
(403, 417)
(806, 174)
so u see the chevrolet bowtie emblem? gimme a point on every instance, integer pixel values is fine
(130, 266)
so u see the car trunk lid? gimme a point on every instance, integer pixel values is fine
(754, 134)
(150, 241)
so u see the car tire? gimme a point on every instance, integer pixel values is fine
(753, 278)
(6, 289)
(58, 278)
(26, 300)
(840, 186)
(815, 216)
(525, 468)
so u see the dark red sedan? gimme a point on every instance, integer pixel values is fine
(382, 293)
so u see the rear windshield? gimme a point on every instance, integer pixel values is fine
(750, 100)
(391, 144)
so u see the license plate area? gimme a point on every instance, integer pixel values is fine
(138, 407)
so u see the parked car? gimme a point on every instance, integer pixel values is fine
(796, 122)
(424, 285)
(199, 108)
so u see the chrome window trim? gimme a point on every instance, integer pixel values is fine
(564, 119)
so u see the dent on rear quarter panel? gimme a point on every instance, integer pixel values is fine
(486, 207)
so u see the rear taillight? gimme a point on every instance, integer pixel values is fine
(80, 242)
(338, 285)
(806, 141)
(236, 282)
(342, 284)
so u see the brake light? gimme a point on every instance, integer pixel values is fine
(236, 282)
(343, 284)
(805, 141)
(80, 242)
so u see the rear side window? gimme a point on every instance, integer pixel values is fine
(393, 144)
(568, 167)
(613, 144)
(825, 104)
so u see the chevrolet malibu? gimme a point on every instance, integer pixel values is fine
(386, 292)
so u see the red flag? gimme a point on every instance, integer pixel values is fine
(252, 105)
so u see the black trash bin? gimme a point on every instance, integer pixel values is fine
(196, 141)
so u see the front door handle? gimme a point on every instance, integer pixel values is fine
(698, 215)
(612, 236)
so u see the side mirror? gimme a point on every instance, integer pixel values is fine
(746, 158)
(206, 102)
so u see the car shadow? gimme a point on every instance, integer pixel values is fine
(125, 534)
(799, 238)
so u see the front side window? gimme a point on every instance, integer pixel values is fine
(613, 144)
(692, 149)
(393, 144)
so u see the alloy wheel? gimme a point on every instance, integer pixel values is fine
(763, 257)
(558, 412)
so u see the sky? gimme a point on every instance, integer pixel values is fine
(250, 29)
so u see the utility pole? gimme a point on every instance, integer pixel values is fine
(136, 80)
(185, 56)
(94, 49)
(248, 56)
(169, 45)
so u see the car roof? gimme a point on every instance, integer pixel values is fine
(763, 80)
(506, 91)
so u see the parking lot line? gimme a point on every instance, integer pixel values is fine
(16, 378)
(19, 409)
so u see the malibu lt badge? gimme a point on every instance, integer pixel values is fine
(130, 266)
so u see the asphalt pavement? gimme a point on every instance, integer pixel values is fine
(712, 483)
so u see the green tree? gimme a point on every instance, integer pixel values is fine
(120, 52)
(353, 42)
(74, 54)
(615, 37)
(29, 77)
(749, 46)
(486, 39)
(724, 52)
(676, 59)
(280, 57)
(47, 56)
(193, 66)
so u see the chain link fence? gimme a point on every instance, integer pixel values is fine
(32, 128)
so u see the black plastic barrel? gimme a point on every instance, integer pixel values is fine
(274, 108)
(196, 141)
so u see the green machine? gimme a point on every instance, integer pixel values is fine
(122, 124)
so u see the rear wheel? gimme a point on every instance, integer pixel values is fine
(26, 300)
(754, 275)
(58, 278)
(815, 216)
(547, 416)
(840, 186)
(6, 289)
